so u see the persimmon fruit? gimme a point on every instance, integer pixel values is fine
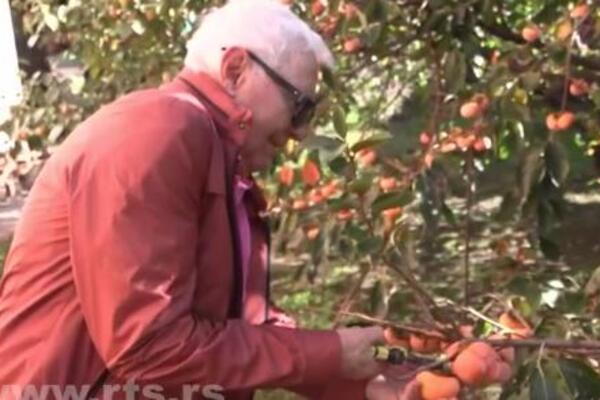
(436, 387)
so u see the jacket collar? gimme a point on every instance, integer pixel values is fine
(231, 118)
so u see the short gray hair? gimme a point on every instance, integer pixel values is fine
(267, 28)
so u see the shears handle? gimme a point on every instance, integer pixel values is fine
(399, 356)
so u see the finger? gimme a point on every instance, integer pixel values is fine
(507, 354)
(412, 391)
(404, 371)
(379, 389)
(500, 372)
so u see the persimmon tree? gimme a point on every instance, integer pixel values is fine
(435, 108)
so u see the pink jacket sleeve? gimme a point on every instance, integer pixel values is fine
(134, 207)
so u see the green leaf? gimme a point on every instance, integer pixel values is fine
(361, 185)
(557, 163)
(448, 214)
(573, 302)
(529, 171)
(546, 217)
(372, 33)
(527, 288)
(531, 80)
(339, 121)
(455, 71)
(51, 22)
(596, 98)
(339, 165)
(341, 204)
(370, 245)
(592, 287)
(376, 299)
(583, 382)
(508, 207)
(436, 19)
(542, 388)
(333, 5)
(518, 112)
(321, 142)
(390, 200)
(329, 78)
(328, 147)
(370, 141)
(376, 10)
(55, 133)
(357, 233)
(550, 248)
(138, 27)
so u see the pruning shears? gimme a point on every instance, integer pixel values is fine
(400, 356)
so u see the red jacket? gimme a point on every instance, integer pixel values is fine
(125, 263)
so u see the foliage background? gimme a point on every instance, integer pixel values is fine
(517, 215)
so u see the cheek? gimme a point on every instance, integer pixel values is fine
(275, 108)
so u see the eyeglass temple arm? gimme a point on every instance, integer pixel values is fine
(274, 75)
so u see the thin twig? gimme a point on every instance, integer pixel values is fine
(437, 96)
(571, 344)
(407, 274)
(556, 344)
(537, 343)
(425, 301)
(350, 297)
(483, 317)
(467, 255)
(563, 102)
(395, 325)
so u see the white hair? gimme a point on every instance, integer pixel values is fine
(266, 27)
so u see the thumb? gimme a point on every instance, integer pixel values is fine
(375, 334)
(412, 391)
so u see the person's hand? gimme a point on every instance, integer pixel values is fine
(383, 387)
(357, 352)
(279, 317)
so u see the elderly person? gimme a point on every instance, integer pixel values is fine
(141, 254)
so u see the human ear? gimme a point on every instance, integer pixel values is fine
(233, 65)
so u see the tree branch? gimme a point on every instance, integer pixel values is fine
(505, 33)
(395, 325)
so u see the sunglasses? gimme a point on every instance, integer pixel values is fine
(304, 106)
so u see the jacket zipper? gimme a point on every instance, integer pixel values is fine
(267, 230)
(235, 305)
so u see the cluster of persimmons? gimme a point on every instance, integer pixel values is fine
(531, 33)
(471, 363)
(318, 191)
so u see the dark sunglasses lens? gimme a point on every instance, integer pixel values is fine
(304, 114)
